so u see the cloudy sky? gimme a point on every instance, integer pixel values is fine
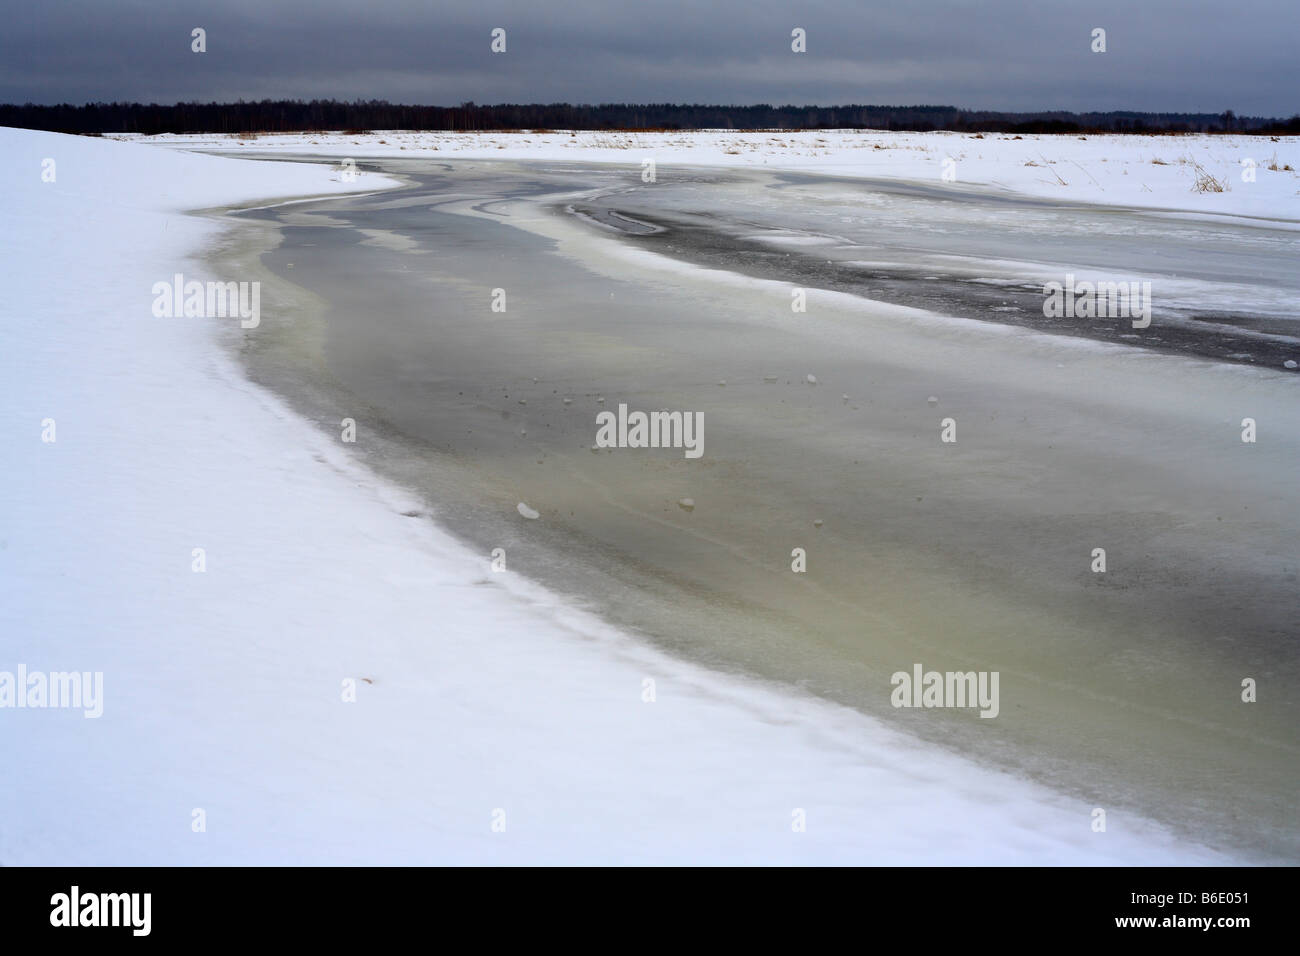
(1162, 55)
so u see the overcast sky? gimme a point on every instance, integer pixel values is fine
(1162, 55)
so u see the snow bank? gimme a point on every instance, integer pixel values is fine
(1156, 171)
(479, 698)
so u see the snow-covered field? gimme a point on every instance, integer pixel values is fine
(491, 723)
(1257, 174)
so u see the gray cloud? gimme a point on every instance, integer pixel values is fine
(1167, 55)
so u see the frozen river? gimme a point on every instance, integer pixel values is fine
(475, 323)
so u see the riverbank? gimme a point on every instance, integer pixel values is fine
(1254, 176)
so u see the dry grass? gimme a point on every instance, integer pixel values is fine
(1204, 182)
(1048, 163)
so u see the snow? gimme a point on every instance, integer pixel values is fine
(478, 696)
(1155, 171)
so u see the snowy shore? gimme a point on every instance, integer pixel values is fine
(1257, 175)
(492, 723)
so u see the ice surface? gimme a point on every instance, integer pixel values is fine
(225, 690)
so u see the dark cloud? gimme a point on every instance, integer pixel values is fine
(1163, 55)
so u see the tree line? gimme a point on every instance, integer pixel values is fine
(290, 116)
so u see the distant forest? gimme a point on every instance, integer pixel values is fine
(285, 116)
